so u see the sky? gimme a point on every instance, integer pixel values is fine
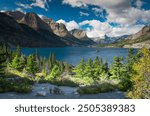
(97, 17)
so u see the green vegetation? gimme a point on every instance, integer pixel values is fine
(2, 60)
(94, 89)
(18, 72)
(141, 77)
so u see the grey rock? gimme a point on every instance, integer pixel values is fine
(41, 93)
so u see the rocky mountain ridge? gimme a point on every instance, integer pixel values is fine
(33, 27)
(137, 40)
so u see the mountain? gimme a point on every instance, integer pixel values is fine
(17, 15)
(57, 28)
(137, 40)
(110, 40)
(68, 37)
(29, 30)
(14, 33)
(34, 21)
(81, 35)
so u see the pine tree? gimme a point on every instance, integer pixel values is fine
(80, 69)
(89, 69)
(32, 66)
(62, 66)
(97, 67)
(117, 68)
(96, 62)
(55, 73)
(16, 62)
(130, 59)
(22, 62)
(18, 51)
(37, 57)
(105, 70)
(2, 61)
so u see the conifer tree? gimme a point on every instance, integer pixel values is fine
(80, 69)
(55, 73)
(32, 66)
(89, 69)
(97, 67)
(117, 68)
(2, 61)
(130, 59)
(18, 51)
(16, 62)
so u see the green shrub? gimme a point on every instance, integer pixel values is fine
(95, 89)
(64, 82)
(124, 85)
(23, 88)
(20, 86)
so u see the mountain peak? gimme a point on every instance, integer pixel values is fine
(33, 20)
(17, 15)
(78, 33)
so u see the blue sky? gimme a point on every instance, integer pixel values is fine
(96, 17)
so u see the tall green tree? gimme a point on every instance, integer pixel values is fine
(18, 51)
(117, 68)
(51, 61)
(97, 68)
(16, 62)
(80, 69)
(55, 73)
(2, 60)
(32, 66)
(89, 71)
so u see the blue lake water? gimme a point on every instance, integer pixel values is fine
(73, 55)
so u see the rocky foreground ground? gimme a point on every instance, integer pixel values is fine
(49, 91)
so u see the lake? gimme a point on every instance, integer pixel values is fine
(73, 55)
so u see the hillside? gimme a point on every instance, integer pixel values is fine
(138, 40)
(29, 30)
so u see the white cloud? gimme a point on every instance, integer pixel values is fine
(69, 25)
(130, 16)
(41, 3)
(26, 6)
(97, 29)
(2, 10)
(119, 11)
(84, 14)
(75, 3)
(35, 3)
(40, 15)
(97, 10)
(61, 21)
(19, 9)
(125, 30)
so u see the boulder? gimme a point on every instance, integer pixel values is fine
(41, 93)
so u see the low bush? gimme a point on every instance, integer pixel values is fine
(124, 85)
(95, 89)
(20, 86)
(64, 82)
